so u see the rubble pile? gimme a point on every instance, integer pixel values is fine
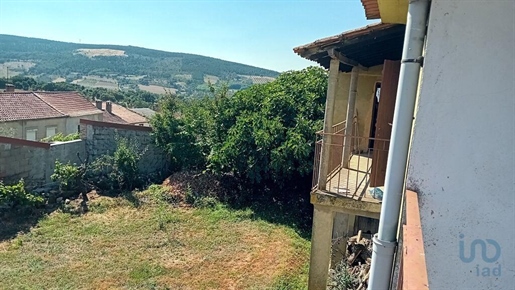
(359, 258)
(353, 271)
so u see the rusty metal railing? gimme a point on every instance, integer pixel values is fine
(354, 176)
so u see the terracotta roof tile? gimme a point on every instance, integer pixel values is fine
(128, 115)
(110, 118)
(25, 106)
(69, 103)
(122, 113)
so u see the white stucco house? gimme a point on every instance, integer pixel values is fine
(447, 217)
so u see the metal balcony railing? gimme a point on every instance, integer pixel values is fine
(351, 164)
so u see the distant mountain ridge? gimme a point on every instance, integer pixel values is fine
(121, 66)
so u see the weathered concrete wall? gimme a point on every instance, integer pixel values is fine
(65, 125)
(72, 123)
(364, 99)
(101, 138)
(462, 160)
(20, 128)
(65, 152)
(35, 161)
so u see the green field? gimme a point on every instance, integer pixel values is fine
(142, 242)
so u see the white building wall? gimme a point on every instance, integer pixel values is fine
(462, 155)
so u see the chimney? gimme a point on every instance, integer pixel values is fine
(98, 103)
(109, 107)
(9, 88)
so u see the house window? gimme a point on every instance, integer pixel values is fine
(31, 134)
(51, 131)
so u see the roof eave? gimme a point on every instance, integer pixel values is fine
(389, 11)
(368, 36)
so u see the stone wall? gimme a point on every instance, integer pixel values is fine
(101, 138)
(35, 161)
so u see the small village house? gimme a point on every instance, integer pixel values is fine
(37, 115)
(421, 107)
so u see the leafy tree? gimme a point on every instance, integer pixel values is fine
(268, 130)
(264, 134)
(171, 134)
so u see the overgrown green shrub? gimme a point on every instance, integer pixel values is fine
(67, 175)
(159, 194)
(118, 171)
(16, 195)
(171, 133)
(190, 197)
(199, 200)
(60, 137)
(341, 279)
(263, 135)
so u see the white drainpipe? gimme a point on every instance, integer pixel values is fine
(386, 240)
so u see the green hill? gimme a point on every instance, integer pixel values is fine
(125, 67)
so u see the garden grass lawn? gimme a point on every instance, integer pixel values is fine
(118, 245)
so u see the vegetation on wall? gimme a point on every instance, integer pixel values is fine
(16, 195)
(60, 137)
(119, 171)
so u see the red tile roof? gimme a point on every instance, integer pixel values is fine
(69, 103)
(110, 118)
(119, 112)
(128, 115)
(25, 106)
(43, 105)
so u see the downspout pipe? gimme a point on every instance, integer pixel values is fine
(385, 241)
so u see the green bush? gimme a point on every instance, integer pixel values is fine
(341, 279)
(263, 135)
(67, 175)
(171, 133)
(16, 195)
(60, 137)
(190, 197)
(206, 202)
(118, 171)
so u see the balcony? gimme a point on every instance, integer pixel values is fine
(347, 169)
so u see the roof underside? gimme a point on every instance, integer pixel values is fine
(369, 46)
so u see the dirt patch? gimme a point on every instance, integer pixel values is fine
(100, 52)
(258, 79)
(59, 80)
(211, 79)
(157, 89)
(223, 187)
(97, 82)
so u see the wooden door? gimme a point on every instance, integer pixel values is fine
(386, 108)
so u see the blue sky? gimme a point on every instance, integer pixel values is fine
(260, 33)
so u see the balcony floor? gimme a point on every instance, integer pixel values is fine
(348, 188)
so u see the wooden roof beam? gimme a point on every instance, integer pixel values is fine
(345, 60)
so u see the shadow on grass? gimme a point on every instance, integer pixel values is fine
(21, 220)
(285, 206)
(291, 207)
